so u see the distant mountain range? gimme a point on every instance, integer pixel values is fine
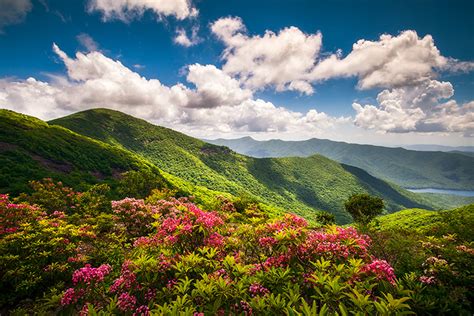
(98, 145)
(469, 149)
(407, 168)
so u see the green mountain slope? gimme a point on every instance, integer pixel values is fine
(300, 185)
(407, 168)
(432, 223)
(31, 149)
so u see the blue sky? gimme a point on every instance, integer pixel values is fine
(143, 41)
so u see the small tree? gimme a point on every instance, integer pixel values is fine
(325, 218)
(363, 207)
(139, 184)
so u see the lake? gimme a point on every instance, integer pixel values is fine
(443, 191)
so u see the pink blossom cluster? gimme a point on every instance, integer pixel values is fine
(143, 310)
(381, 269)
(267, 242)
(88, 274)
(290, 221)
(215, 240)
(183, 223)
(71, 296)
(342, 243)
(427, 279)
(277, 261)
(127, 279)
(126, 302)
(206, 219)
(12, 215)
(256, 289)
(135, 215)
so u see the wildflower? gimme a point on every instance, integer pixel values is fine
(69, 297)
(257, 289)
(142, 311)
(88, 274)
(427, 280)
(381, 269)
(126, 302)
(214, 240)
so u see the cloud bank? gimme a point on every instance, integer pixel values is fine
(127, 10)
(405, 68)
(212, 101)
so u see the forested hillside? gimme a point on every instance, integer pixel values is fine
(406, 168)
(306, 184)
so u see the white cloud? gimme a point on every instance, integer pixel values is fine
(216, 104)
(280, 60)
(290, 59)
(127, 10)
(87, 42)
(392, 61)
(13, 12)
(421, 108)
(182, 38)
(458, 66)
(214, 88)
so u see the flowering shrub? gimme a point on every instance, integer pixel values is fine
(134, 215)
(168, 256)
(13, 215)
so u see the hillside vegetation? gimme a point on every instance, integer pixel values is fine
(64, 252)
(432, 223)
(303, 184)
(406, 168)
(32, 149)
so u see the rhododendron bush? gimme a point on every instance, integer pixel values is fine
(165, 257)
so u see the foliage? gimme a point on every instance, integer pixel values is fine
(364, 208)
(434, 248)
(140, 183)
(31, 149)
(161, 256)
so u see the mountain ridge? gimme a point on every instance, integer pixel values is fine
(294, 184)
(407, 168)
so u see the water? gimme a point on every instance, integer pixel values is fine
(443, 191)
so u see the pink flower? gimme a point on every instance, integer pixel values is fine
(88, 274)
(267, 241)
(142, 311)
(257, 289)
(427, 280)
(381, 269)
(126, 302)
(214, 240)
(69, 297)
(171, 283)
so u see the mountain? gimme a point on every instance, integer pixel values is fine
(31, 149)
(440, 148)
(406, 168)
(300, 185)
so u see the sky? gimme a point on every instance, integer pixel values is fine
(378, 72)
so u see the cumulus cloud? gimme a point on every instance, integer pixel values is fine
(214, 88)
(183, 39)
(281, 60)
(213, 102)
(291, 59)
(13, 12)
(391, 61)
(87, 42)
(420, 108)
(127, 10)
